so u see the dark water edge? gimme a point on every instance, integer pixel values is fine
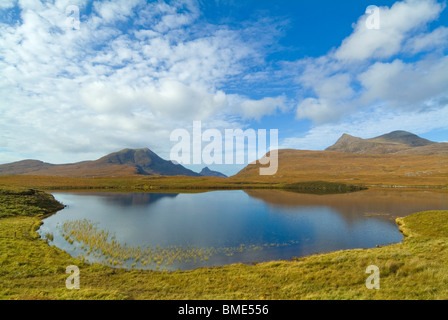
(322, 187)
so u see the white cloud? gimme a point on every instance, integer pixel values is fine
(318, 110)
(116, 10)
(406, 85)
(266, 106)
(332, 92)
(396, 24)
(378, 66)
(101, 88)
(177, 101)
(6, 4)
(437, 39)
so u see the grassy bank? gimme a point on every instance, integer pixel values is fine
(167, 183)
(322, 187)
(414, 269)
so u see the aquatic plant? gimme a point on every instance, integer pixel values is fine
(49, 236)
(103, 246)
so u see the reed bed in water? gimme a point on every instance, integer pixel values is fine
(103, 245)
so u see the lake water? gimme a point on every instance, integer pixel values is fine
(186, 231)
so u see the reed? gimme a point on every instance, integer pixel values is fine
(101, 245)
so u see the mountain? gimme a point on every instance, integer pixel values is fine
(145, 162)
(123, 163)
(397, 158)
(206, 172)
(351, 168)
(403, 137)
(400, 142)
(23, 167)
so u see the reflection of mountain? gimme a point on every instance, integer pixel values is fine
(353, 206)
(133, 199)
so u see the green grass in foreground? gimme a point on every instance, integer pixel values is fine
(414, 269)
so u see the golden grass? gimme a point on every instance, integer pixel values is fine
(414, 269)
(360, 169)
(295, 167)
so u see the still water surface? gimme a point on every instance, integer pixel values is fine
(224, 227)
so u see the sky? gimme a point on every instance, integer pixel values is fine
(125, 74)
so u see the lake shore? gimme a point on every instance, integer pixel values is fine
(199, 184)
(417, 268)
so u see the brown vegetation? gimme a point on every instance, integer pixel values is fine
(367, 169)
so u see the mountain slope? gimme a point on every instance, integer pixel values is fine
(403, 137)
(24, 166)
(401, 142)
(146, 162)
(353, 168)
(123, 163)
(438, 149)
(206, 172)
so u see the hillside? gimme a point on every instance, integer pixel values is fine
(397, 158)
(24, 167)
(400, 142)
(126, 162)
(370, 169)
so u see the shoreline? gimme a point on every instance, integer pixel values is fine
(335, 275)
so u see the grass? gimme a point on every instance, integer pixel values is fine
(167, 183)
(103, 246)
(360, 169)
(26, 202)
(297, 169)
(322, 187)
(32, 269)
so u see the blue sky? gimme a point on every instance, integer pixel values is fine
(136, 70)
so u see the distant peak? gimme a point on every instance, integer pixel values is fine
(392, 142)
(346, 137)
(399, 133)
(404, 137)
(133, 150)
(206, 172)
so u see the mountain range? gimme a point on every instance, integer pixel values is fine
(396, 142)
(396, 158)
(126, 162)
(130, 162)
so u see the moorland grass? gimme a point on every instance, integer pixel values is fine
(30, 268)
(164, 183)
(322, 187)
(102, 246)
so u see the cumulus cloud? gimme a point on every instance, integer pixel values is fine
(437, 39)
(133, 72)
(379, 67)
(6, 4)
(395, 25)
(406, 85)
(266, 106)
(317, 109)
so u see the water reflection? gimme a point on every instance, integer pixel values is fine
(266, 224)
(378, 204)
(133, 199)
